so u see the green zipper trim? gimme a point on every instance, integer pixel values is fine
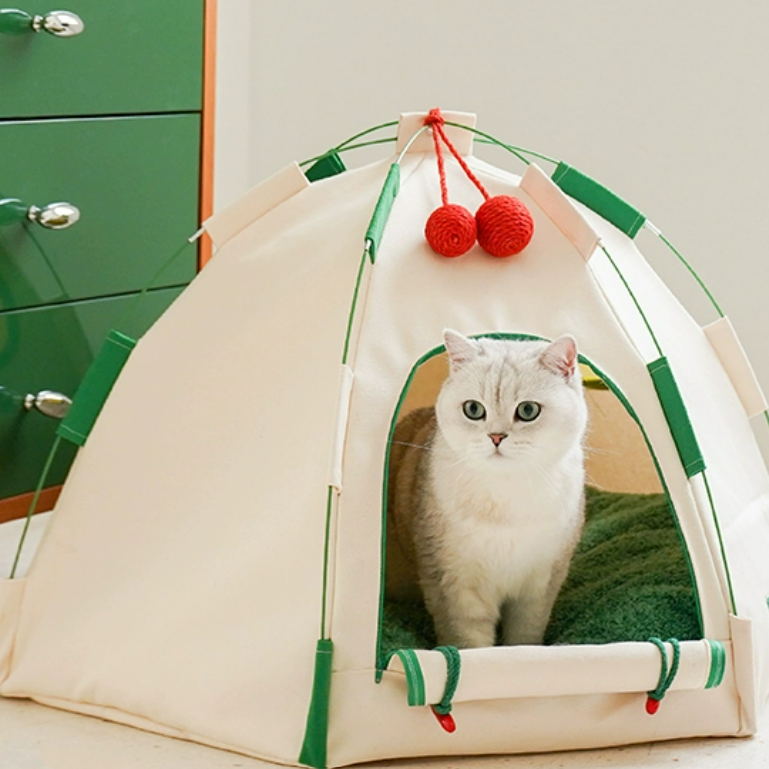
(415, 679)
(634, 298)
(599, 199)
(717, 664)
(381, 663)
(326, 552)
(314, 747)
(677, 416)
(720, 542)
(353, 307)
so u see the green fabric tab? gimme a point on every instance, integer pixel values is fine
(382, 211)
(717, 664)
(677, 417)
(95, 387)
(316, 734)
(328, 165)
(599, 199)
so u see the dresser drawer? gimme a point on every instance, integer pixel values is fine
(132, 56)
(51, 349)
(135, 183)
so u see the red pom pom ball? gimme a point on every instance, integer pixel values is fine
(451, 230)
(505, 226)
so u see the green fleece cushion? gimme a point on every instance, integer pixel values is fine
(628, 581)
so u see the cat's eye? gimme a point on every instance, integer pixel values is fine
(528, 411)
(474, 410)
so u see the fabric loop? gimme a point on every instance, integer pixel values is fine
(453, 668)
(667, 675)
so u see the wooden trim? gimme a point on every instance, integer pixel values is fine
(208, 120)
(18, 507)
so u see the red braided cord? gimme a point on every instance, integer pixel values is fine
(433, 119)
(436, 120)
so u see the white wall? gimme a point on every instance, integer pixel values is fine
(664, 102)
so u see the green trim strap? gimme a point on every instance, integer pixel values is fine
(382, 210)
(95, 387)
(415, 680)
(328, 165)
(717, 664)
(599, 199)
(315, 745)
(677, 417)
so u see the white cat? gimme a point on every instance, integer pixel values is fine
(488, 516)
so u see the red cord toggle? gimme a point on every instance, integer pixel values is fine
(652, 705)
(445, 720)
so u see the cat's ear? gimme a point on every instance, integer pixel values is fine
(461, 350)
(560, 356)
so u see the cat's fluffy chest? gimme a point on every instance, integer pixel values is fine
(504, 529)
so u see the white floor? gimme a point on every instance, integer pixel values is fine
(36, 737)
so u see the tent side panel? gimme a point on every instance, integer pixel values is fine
(180, 580)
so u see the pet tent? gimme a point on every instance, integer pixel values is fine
(213, 569)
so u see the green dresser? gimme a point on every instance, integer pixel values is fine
(101, 134)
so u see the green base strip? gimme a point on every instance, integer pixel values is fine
(637, 304)
(328, 165)
(599, 199)
(95, 387)
(315, 742)
(382, 211)
(415, 679)
(717, 664)
(677, 417)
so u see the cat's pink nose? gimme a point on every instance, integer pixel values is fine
(497, 438)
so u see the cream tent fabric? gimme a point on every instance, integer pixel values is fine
(225, 514)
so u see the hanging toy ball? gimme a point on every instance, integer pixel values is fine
(505, 226)
(451, 230)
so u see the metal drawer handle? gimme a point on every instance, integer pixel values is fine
(58, 23)
(55, 216)
(48, 402)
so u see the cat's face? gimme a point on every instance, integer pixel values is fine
(511, 402)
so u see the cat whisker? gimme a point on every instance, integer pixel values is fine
(602, 452)
(425, 446)
(548, 479)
